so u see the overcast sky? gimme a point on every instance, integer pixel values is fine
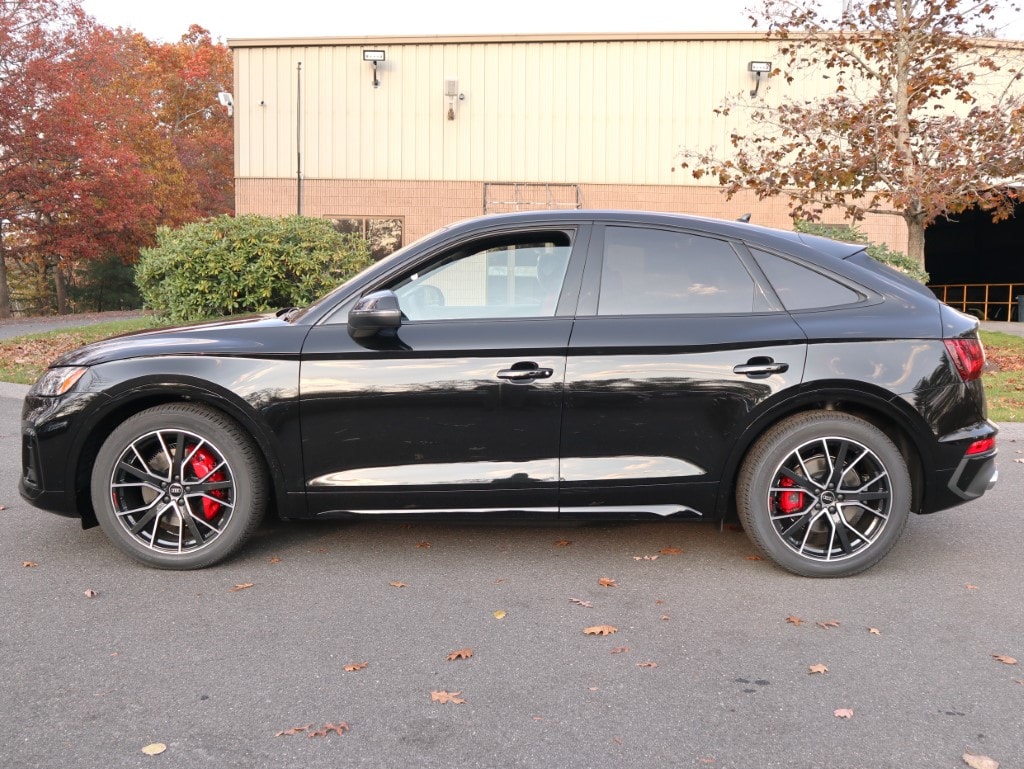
(168, 19)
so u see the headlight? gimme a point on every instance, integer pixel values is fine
(57, 381)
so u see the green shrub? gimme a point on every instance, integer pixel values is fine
(245, 264)
(879, 251)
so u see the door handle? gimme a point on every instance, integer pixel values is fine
(524, 372)
(760, 367)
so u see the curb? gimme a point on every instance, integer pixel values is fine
(10, 390)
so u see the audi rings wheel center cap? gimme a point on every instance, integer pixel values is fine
(176, 490)
(827, 498)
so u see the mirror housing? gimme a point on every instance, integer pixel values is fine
(374, 313)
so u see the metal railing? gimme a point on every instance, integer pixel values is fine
(986, 301)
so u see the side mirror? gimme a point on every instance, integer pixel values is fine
(373, 313)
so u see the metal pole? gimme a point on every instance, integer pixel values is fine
(298, 133)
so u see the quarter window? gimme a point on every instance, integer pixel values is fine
(661, 272)
(800, 287)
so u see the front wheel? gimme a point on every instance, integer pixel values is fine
(824, 494)
(178, 486)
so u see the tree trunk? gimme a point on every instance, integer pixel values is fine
(5, 291)
(915, 238)
(60, 284)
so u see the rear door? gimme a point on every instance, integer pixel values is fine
(676, 342)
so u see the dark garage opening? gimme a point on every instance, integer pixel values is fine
(977, 265)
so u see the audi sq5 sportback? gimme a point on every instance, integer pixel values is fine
(558, 364)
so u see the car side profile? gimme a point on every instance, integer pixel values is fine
(554, 364)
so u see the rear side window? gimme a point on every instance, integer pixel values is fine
(660, 272)
(800, 287)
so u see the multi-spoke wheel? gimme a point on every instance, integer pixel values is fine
(178, 486)
(824, 494)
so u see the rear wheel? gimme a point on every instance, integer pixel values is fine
(824, 494)
(179, 486)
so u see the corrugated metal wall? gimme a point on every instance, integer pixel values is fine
(604, 111)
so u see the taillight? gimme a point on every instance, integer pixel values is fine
(968, 356)
(981, 447)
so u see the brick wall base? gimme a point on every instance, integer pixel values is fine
(425, 205)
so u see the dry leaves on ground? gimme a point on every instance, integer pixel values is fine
(843, 713)
(874, 631)
(601, 630)
(647, 664)
(352, 667)
(792, 620)
(817, 668)
(563, 543)
(423, 545)
(275, 559)
(607, 582)
(29, 564)
(326, 729)
(154, 749)
(398, 584)
(980, 762)
(460, 654)
(620, 650)
(584, 604)
(90, 593)
(1004, 659)
(500, 614)
(754, 558)
(829, 623)
(671, 551)
(242, 586)
(445, 697)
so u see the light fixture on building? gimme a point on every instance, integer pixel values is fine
(760, 70)
(227, 100)
(451, 90)
(374, 56)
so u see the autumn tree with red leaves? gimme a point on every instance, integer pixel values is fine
(103, 137)
(924, 116)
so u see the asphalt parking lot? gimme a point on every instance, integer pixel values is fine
(703, 671)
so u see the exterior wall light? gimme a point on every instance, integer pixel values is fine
(374, 56)
(760, 70)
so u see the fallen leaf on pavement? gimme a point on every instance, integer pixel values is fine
(30, 564)
(446, 697)
(980, 762)
(843, 713)
(293, 730)
(972, 587)
(665, 618)
(352, 667)
(1005, 659)
(326, 729)
(275, 559)
(647, 664)
(671, 551)
(754, 558)
(423, 545)
(90, 593)
(620, 650)
(874, 631)
(154, 749)
(460, 654)
(827, 624)
(818, 668)
(398, 584)
(563, 543)
(794, 620)
(584, 604)
(600, 630)
(645, 558)
(607, 582)
(500, 614)
(242, 586)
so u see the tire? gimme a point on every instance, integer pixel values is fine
(173, 514)
(824, 494)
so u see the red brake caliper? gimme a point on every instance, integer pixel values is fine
(790, 501)
(202, 464)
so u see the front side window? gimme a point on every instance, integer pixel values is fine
(661, 272)
(504, 277)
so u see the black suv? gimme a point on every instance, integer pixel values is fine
(560, 364)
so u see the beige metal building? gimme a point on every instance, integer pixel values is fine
(394, 137)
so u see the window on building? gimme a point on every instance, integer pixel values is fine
(384, 234)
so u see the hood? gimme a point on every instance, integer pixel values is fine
(252, 337)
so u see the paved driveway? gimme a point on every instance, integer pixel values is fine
(704, 671)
